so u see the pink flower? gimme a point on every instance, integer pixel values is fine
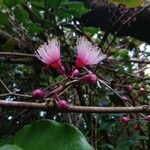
(50, 55)
(87, 54)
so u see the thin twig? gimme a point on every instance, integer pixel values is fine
(4, 85)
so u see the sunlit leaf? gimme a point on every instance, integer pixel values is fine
(129, 3)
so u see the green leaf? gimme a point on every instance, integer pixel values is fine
(53, 3)
(74, 8)
(48, 134)
(122, 147)
(1, 2)
(106, 146)
(129, 3)
(107, 125)
(3, 18)
(10, 147)
(21, 14)
(10, 3)
(122, 54)
(124, 144)
(91, 30)
(33, 28)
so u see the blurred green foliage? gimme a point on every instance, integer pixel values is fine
(24, 26)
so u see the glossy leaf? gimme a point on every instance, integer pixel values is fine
(46, 134)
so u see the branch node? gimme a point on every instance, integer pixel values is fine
(146, 107)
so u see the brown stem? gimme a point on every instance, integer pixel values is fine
(16, 54)
(77, 109)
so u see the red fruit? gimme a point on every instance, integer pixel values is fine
(62, 104)
(38, 93)
(125, 119)
(147, 118)
(130, 88)
(142, 91)
(75, 73)
(90, 78)
(137, 127)
(124, 98)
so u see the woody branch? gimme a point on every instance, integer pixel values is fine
(71, 108)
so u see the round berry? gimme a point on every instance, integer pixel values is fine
(90, 78)
(38, 93)
(142, 91)
(130, 88)
(75, 73)
(147, 118)
(124, 98)
(125, 119)
(62, 104)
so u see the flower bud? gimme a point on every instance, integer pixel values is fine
(90, 78)
(147, 118)
(62, 104)
(130, 88)
(124, 98)
(38, 93)
(125, 119)
(142, 91)
(75, 73)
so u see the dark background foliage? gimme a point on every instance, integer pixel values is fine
(26, 24)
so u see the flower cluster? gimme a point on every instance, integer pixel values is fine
(87, 54)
